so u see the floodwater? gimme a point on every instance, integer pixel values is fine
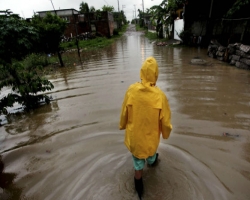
(72, 149)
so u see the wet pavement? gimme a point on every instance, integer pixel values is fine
(72, 148)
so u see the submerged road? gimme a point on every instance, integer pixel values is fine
(72, 149)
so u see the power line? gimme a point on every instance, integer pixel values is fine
(106, 2)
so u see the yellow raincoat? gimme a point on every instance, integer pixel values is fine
(145, 113)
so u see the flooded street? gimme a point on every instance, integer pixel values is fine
(73, 149)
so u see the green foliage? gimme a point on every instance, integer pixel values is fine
(164, 13)
(141, 15)
(96, 43)
(108, 8)
(239, 9)
(35, 60)
(139, 28)
(84, 7)
(50, 29)
(151, 36)
(26, 82)
(120, 18)
(185, 36)
(17, 38)
(92, 9)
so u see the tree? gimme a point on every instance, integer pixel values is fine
(164, 14)
(50, 29)
(108, 8)
(84, 7)
(239, 9)
(124, 18)
(120, 18)
(141, 16)
(92, 9)
(158, 13)
(17, 40)
(25, 82)
(17, 37)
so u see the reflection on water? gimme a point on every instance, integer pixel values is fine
(72, 148)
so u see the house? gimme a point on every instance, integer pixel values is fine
(69, 15)
(100, 23)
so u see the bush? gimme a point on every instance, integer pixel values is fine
(185, 36)
(27, 85)
(151, 36)
(70, 44)
(35, 60)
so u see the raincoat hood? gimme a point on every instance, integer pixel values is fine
(149, 72)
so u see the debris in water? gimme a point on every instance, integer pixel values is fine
(198, 61)
(230, 135)
(161, 44)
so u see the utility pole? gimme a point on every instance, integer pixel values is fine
(53, 6)
(77, 43)
(58, 51)
(143, 12)
(211, 7)
(135, 14)
(118, 6)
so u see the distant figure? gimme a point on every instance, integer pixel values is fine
(145, 114)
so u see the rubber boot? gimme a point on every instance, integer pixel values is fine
(139, 186)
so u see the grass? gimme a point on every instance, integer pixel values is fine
(70, 55)
(96, 43)
(93, 44)
(138, 28)
(151, 36)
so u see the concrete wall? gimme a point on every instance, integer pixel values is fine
(60, 13)
(178, 27)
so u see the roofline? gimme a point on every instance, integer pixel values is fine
(58, 10)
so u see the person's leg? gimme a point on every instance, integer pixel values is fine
(138, 174)
(138, 165)
(152, 160)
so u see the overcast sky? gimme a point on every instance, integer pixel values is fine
(26, 8)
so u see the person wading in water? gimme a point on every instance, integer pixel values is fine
(145, 114)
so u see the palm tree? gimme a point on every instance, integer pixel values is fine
(163, 14)
(158, 13)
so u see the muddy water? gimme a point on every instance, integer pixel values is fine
(72, 148)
